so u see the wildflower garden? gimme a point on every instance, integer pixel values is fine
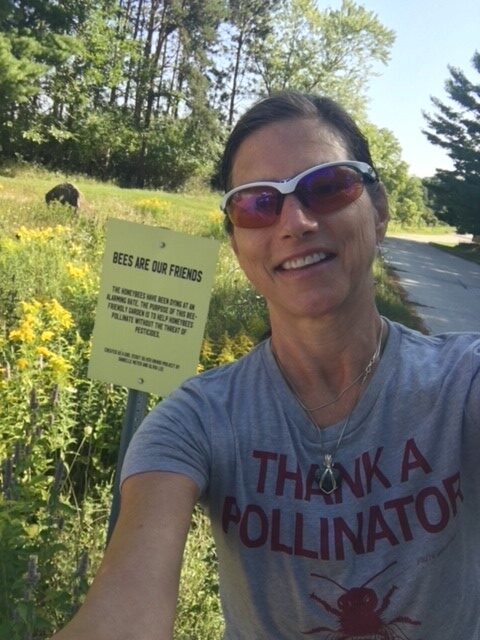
(60, 431)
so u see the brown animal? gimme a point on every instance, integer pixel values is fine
(65, 193)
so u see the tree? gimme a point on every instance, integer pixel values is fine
(248, 22)
(330, 52)
(455, 194)
(406, 196)
(19, 75)
(33, 40)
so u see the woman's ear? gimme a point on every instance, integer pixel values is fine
(380, 202)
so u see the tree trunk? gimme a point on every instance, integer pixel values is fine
(238, 56)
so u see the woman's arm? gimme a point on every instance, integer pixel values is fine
(134, 594)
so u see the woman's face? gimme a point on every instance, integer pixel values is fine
(342, 244)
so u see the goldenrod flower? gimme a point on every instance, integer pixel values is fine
(59, 364)
(216, 216)
(77, 272)
(40, 235)
(46, 336)
(59, 313)
(155, 204)
(32, 307)
(43, 351)
(24, 333)
(22, 363)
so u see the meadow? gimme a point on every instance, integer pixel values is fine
(60, 430)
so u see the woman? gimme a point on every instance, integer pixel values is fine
(337, 460)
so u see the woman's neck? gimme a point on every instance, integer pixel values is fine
(328, 362)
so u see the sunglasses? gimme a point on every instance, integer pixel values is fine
(321, 189)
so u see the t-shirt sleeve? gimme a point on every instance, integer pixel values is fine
(174, 437)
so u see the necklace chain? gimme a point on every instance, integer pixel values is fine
(362, 376)
(329, 478)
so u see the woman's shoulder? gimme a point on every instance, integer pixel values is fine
(444, 348)
(437, 340)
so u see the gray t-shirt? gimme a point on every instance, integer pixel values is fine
(395, 552)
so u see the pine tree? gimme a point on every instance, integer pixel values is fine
(455, 194)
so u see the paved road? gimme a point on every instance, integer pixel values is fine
(444, 289)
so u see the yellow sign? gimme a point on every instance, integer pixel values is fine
(152, 307)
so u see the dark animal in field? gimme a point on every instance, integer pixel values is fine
(65, 193)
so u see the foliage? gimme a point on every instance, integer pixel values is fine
(143, 92)
(58, 441)
(60, 431)
(33, 41)
(406, 196)
(330, 52)
(391, 299)
(248, 22)
(198, 611)
(455, 194)
(48, 508)
(168, 154)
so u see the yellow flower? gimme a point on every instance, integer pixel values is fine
(22, 363)
(40, 235)
(59, 364)
(77, 273)
(23, 334)
(216, 216)
(32, 307)
(46, 336)
(43, 351)
(155, 204)
(59, 313)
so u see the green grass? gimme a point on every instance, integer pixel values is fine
(189, 212)
(437, 230)
(392, 300)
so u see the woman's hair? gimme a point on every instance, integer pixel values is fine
(290, 105)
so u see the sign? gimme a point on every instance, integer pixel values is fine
(152, 308)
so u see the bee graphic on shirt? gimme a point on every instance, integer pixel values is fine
(359, 615)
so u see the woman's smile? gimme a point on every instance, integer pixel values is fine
(300, 262)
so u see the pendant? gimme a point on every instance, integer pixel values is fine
(327, 477)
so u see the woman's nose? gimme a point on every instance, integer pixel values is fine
(295, 218)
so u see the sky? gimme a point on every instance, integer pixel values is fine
(430, 36)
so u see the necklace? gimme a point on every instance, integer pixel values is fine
(328, 476)
(362, 376)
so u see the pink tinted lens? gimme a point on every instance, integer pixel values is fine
(330, 188)
(254, 207)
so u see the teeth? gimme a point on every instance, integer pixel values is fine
(298, 263)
